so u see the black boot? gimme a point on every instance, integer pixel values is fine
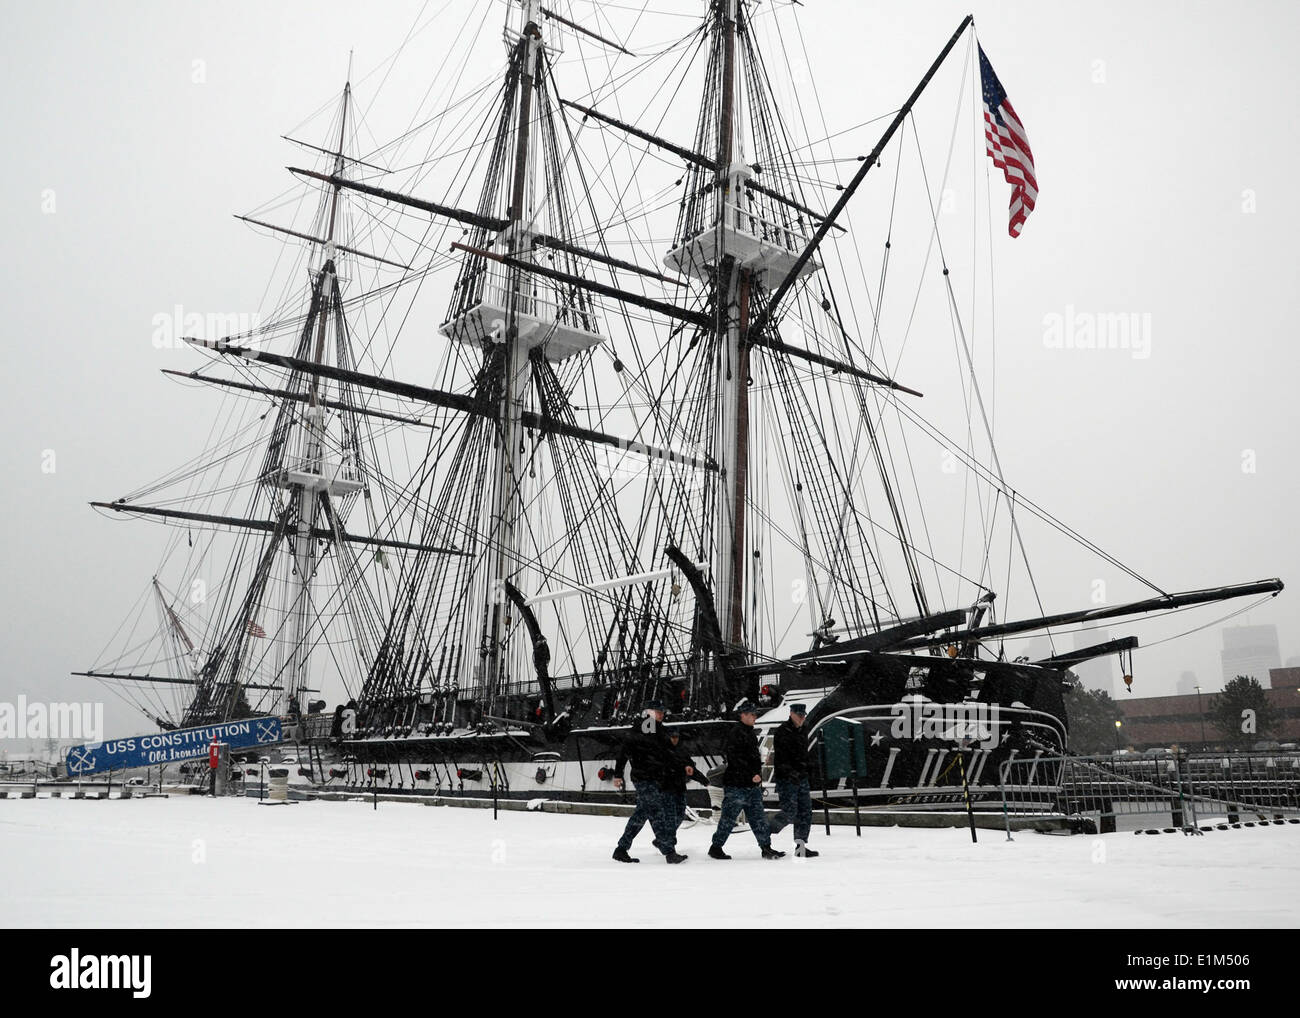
(675, 857)
(716, 853)
(621, 855)
(771, 853)
(802, 850)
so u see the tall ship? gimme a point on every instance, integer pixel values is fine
(658, 445)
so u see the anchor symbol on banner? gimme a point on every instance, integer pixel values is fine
(265, 732)
(82, 761)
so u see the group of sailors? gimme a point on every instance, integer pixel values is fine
(662, 769)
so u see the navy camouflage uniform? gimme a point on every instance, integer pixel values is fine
(742, 793)
(676, 779)
(646, 746)
(790, 773)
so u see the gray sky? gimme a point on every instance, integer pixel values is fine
(1164, 136)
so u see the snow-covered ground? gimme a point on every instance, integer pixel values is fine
(194, 862)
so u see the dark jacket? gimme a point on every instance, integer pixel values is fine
(790, 745)
(650, 753)
(676, 778)
(741, 751)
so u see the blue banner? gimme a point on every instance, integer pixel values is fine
(169, 747)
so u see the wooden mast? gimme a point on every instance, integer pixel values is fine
(733, 366)
(293, 675)
(515, 378)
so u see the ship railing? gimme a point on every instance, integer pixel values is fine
(1195, 791)
(501, 287)
(317, 726)
(669, 671)
(331, 470)
(763, 223)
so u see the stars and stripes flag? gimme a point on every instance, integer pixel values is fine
(255, 630)
(1008, 147)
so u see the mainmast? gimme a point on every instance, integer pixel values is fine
(504, 304)
(733, 363)
(516, 372)
(738, 248)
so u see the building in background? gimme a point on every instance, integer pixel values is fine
(1161, 722)
(1186, 683)
(1251, 651)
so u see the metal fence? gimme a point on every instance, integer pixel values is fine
(1192, 790)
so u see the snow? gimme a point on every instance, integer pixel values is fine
(196, 862)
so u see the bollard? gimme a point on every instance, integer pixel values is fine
(826, 794)
(853, 771)
(1189, 799)
(1107, 816)
(277, 788)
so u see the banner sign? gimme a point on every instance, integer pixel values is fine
(169, 747)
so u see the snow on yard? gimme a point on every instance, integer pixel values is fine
(195, 862)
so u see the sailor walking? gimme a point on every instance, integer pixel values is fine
(743, 779)
(676, 778)
(790, 772)
(646, 746)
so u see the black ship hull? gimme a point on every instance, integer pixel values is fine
(931, 730)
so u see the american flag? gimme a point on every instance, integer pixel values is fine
(1008, 147)
(255, 630)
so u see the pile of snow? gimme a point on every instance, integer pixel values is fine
(195, 862)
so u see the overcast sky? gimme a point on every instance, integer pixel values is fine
(1166, 143)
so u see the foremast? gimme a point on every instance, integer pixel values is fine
(306, 477)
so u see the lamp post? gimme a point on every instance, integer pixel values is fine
(1118, 725)
(1202, 714)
